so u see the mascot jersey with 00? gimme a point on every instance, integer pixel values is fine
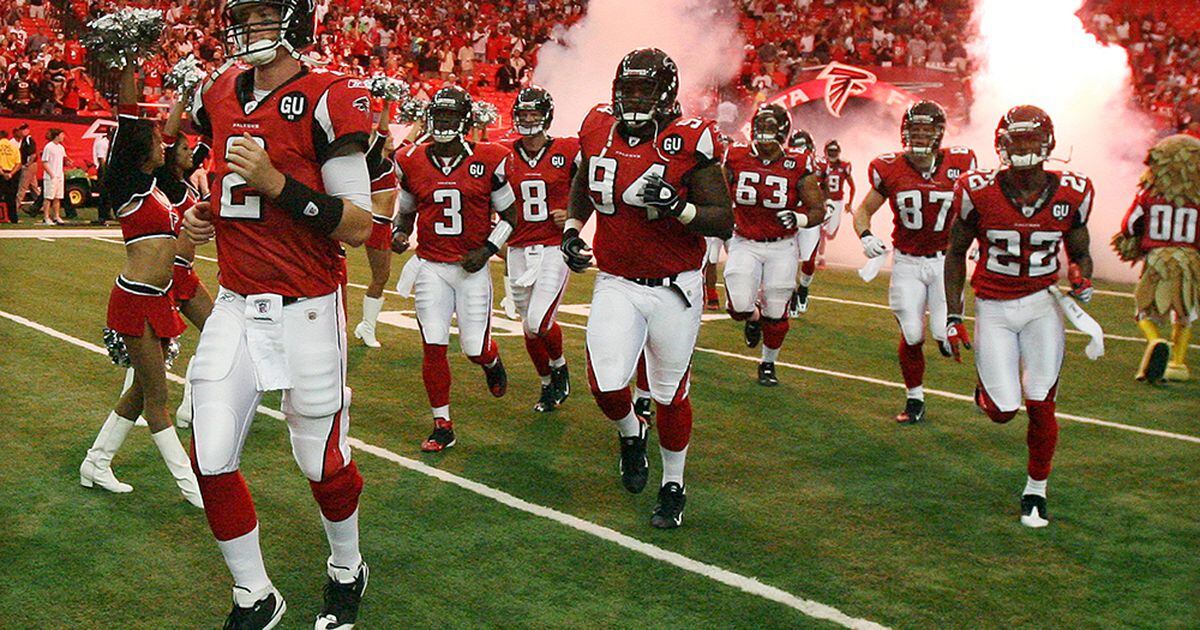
(454, 209)
(1167, 225)
(301, 124)
(627, 244)
(1018, 247)
(835, 176)
(920, 201)
(761, 189)
(541, 182)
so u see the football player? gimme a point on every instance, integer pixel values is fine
(290, 183)
(382, 170)
(712, 258)
(448, 190)
(652, 178)
(1020, 215)
(807, 238)
(770, 185)
(919, 184)
(540, 173)
(143, 318)
(835, 173)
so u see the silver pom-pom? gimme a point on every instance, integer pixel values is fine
(172, 352)
(185, 76)
(412, 110)
(484, 114)
(115, 37)
(387, 88)
(117, 352)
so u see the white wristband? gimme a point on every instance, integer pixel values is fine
(500, 234)
(689, 213)
(573, 224)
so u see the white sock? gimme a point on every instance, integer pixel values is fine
(371, 308)
(630, 426)
(640, 393)
(244, 559)
(769, 354)
(673, 463)
(1033, 486)
(344, 556)
(442, 412)
(805, 280)
(559, 362)
(545, 379)
(917, 392)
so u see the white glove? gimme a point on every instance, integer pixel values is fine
(873, 246)
(789, 219)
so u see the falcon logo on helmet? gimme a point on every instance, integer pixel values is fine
(533, 111)
(923, 128)
(801, 141)
(645, 88)
(448, 115)
(257, 42)
(1024, 137)
(771, 123)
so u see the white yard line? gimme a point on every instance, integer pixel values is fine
(50, 233)
(750, 585)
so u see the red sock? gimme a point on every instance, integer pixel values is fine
(536, 346)
(675, 424)
(435, 370)
(1042, 437)
(490, 352)
(809, 267)
(554, 342)
(710, 294)
(338, 495)
(774, 331)
(912, 363)
(227, 504)
(643, 381)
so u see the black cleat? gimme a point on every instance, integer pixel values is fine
(766, 374)
(442, 437)
(262, 615)
(560, 380)
(914, 412)
(341, 602)
(635, 469)
(668, 514)
(800, 299)
(644, 409)
(1033, 511)
(497, 378)
(752, 333)
(548, 401)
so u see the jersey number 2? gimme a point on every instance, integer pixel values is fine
(236, 200)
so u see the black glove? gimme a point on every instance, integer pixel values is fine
(661, 198)
(575, 251)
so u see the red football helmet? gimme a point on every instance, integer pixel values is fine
(1024, 137)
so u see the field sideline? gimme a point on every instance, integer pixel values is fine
(804, 501)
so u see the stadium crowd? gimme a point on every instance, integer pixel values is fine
(491, 47)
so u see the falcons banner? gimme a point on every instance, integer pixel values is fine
(836, 83)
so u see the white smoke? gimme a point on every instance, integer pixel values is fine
(700, 35)
(1037, 52)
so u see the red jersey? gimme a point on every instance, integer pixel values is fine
(1018, 247)
(144, 209)
(542, 182)
(920, 201)
(628, 244)
(836, 176)
(1160, 222)
(302, 123)
(761, 189)
(454, 203)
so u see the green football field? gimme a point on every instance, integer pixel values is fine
(807, 505)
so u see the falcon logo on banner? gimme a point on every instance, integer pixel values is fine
(841, 83)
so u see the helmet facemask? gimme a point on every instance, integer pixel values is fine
(256, 43)
(446, 124)
(765, 129)
(528, 121)
(1024, 144)
(636, 100)
(921, 135)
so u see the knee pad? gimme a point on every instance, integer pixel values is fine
(227, 504)
(614, 405)
(989, 407)
(317, 386)
(215, 437)
(912, 328)
(338, 495)
(737, 316)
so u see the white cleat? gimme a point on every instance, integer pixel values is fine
(366, 332)
(91, 475)
(1033, 511)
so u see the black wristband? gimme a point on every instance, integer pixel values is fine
(492, 249)
(570, 233)
(954, 318)
(865, 234)
(318, 211)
